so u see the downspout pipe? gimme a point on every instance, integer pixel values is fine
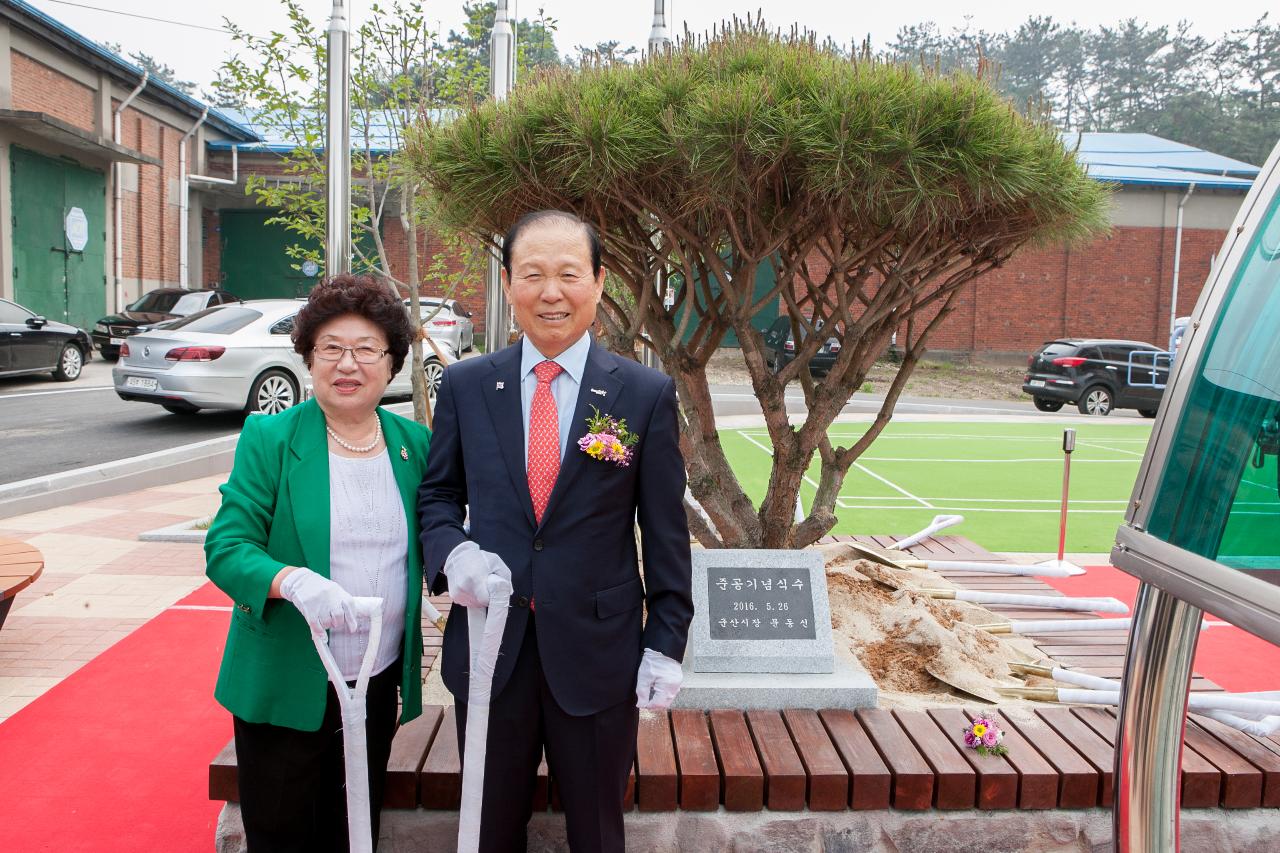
(119, 192)
(235, 172)
(1177, 259)
(184, 203)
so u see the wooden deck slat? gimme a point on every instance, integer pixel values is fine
(1241, 781)
(1201, 781)
(696, 756)
(1252, 750)
(955, 782)
(440, 782)
(870, 782)
(408, 751)
(1079, 783)
(996, 779)
(657, 786)
(828, 778)
(913, 780)
(224, 778)
(784, 776)
(1038, 780)
(1088, 743)
(743, 780)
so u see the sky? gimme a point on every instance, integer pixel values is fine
(196, 53)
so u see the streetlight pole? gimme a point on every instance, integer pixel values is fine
(660, 35)
(502, 76)
(337, 245)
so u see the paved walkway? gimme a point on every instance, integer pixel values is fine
(99, 583)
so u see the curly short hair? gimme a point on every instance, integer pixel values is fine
(364, 296)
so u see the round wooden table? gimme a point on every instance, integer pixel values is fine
(20, 565)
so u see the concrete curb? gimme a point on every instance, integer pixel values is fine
(184, 532)
(188, 462)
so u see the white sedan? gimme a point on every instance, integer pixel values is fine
(233, 357)
(447, 322)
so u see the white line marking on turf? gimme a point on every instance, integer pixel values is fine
(892, 485)
(994, 461)
(944, 508)
(1112, 449)
(769, 450)
(1054, 501)
(217, 608)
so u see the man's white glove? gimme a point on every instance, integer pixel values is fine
(467, 569)
(658, 681)
(323, 603)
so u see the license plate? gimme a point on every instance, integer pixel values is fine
(1036, 383)
(115, 342)
(142, 383)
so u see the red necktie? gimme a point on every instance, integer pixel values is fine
(544, 439)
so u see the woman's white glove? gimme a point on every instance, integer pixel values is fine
(658, 681)
(323, 603)
(467, 569)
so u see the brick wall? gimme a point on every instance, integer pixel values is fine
(211, 271)
(1117, 286)
(151, 216)
(39, 88)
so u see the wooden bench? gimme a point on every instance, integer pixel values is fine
(832, 760)
(20, 565)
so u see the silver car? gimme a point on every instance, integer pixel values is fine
(447, 322)
(231, 357)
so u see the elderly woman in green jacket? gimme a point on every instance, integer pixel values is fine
(319, 508)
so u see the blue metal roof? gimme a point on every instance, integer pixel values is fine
(216, 117)
(384, 133)
(1141, 159)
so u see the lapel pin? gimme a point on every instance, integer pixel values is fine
(404, 454)
(600, 391)
(499, 386)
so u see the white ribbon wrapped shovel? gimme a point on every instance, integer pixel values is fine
(939, 523)
(894, 562)
(1056, 602)
(355, 751)
(484, 631)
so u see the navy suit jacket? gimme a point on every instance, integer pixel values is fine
(579, 564)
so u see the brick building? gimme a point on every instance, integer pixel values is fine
(92, 198)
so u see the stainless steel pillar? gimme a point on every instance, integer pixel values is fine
(1153, 713)
(502, 75)
(337, 244)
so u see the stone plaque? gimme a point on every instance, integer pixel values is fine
(760, 611)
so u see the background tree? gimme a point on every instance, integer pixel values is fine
(463, 73)
(876, 191)
(157, 69)
(279, 79)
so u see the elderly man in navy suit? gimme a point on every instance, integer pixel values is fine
(559, 448)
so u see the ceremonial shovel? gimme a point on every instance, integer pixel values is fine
(1057, 602)
(939, 523)
(484, 631)
(355, 751)
(884, 559)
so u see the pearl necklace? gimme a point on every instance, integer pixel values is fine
(377, 436)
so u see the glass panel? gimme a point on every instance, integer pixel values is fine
(1219, 496)
(219, 320)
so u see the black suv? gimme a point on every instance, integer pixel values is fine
(1097, 376)
(780, 348)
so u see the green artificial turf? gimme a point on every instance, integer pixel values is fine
(1004, 478)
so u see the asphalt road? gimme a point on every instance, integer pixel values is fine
(50, 427)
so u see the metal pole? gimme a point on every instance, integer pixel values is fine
(1177, 259)
(660, 34)
(502, 62)
(1153, 714)
(1068, 445)
(337, 245)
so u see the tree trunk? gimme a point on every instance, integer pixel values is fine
(421, 400)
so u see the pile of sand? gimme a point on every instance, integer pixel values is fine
(921, 651)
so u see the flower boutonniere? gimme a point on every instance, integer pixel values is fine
(608, 439)
(985, 736)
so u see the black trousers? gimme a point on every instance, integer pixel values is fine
(293, 784)
(589, 757)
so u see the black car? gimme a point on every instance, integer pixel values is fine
(31, 344)
(780, 348)
(155, 306)
(1097, 376)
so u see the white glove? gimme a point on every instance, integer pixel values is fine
(658, 681)
(323, 603)
(467, 569)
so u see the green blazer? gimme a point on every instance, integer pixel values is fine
(275, 513)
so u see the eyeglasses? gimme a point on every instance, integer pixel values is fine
(362, 354)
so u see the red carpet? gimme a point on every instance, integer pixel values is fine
(1235, 659)
(115, 757)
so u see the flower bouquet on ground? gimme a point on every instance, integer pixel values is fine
(985, 736)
